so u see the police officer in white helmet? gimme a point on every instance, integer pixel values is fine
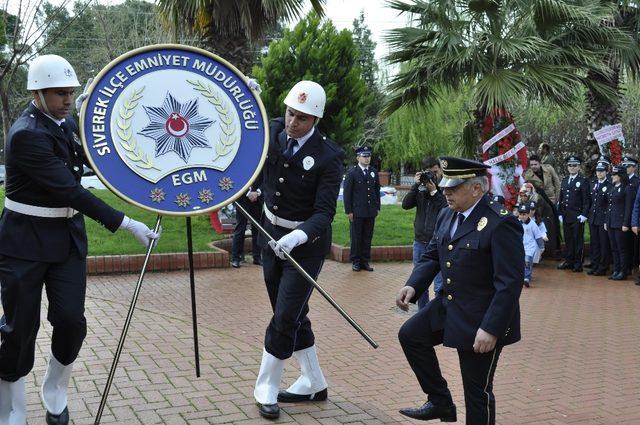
(43, 241)
(301, 180)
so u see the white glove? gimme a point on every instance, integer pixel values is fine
(254, 85)
(288, 242)
(560, 219)
(83, 96)
(582, 218)
(140, 230)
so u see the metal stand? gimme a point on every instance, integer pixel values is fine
(132, 307)
(194, 316)
(309, 279)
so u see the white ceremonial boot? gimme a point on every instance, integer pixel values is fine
(311, 385)
(267, 385)
(54, 391)
(13, 409)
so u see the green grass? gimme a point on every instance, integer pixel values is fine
(394, 226)
(174, 233)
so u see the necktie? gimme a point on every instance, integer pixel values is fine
(365, 171)
(456, 221)
(288, 153)
(570, 180)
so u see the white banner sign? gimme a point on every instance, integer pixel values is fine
(494, 139)
(508, 154)
(608, 133)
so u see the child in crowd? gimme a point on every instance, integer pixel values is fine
(533, 214)
(532, 240)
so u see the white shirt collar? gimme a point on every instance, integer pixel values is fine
(58, 122)
(303, 139)
(361, 167)
(467, 213)
(631, 175)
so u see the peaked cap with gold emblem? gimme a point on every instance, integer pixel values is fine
(456, 171)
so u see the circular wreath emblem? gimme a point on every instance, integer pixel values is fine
(163, 125)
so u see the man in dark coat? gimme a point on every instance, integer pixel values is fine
(478, 248)
(252, 202)
(361, 196)
(600, 251)
(300, 184)
(573, 208)
(43, 241)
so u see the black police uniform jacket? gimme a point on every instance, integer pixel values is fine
(44, 165)
(361, 192)
(574, 199)
(599, 201)
(482, 270)
(620, 205)
(303, 188)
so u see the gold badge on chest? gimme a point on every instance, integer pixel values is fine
(482, 223)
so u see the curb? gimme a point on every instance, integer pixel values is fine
(110, 264)
(378, 253)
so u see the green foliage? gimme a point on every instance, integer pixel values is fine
(414, 132)
(317, 51)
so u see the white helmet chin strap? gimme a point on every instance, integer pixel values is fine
(43, 103)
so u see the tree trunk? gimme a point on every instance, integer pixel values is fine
(235, 48)
(6, 120)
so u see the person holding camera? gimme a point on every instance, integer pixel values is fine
(428, 200)
(361, 204)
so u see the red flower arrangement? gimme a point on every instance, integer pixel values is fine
(615, 152)
(492, 125)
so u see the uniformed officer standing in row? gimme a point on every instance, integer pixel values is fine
(633, 249)
(361, 204)
(599, 250)
(573, 208)
(477, 245)
(618, 221)
(43, 241)
(301, 180)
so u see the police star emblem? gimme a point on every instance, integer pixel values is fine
(482, 223)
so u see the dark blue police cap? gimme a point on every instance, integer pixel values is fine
(524, 208)
(619, 171)
(604, 158)
(499, 199)
(573, 160)
(363, 151)
(628, 161)
(602, 166)
(456, 171)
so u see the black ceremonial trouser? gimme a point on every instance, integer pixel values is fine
(620, 250)
(237, 243)
(289, 292)
(599, 250)
(361, 229)
(574, 240)
(419, 335)
(21, 284)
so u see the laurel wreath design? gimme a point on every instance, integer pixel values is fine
(227, 138)
(125, 132)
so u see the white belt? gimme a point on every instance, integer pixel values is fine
(45, 212)
(279, 221)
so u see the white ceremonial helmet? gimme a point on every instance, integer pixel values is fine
(308, 97)
(49, 71)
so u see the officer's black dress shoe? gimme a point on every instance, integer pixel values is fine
(620, 276)
(355, 267)
(257, 261)
(599, 273)
(366, 266)
(612, 275)
(61, 419)
(430, 411)
(564, 266)
(588, 266)
(287, 397)
(269, 411)
(591, 272)
(235, 264)
(577, 269)
(638, 282)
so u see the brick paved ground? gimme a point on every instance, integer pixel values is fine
(578, 362)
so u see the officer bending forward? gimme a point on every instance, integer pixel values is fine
(43, 241)
(477, 245)
(301, 180)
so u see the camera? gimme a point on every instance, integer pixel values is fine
(427, 176)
